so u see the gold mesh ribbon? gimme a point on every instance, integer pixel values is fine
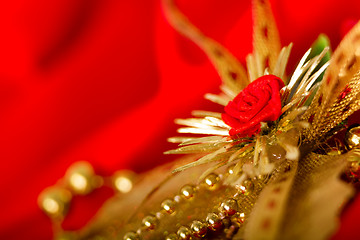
(302, 201)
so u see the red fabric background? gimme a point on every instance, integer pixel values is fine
(102, 81)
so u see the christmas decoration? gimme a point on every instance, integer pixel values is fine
(266, 167)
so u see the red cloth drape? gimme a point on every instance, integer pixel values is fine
(102, 81)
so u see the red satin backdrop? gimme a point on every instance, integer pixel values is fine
(103, 80)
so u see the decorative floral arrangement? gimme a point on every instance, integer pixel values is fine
(266, 108)
(266, 168)
(274, 129)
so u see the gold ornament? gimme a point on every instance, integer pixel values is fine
(212, 181)
(272, 185)
(150, 222)
(168, 205)
(352, 137)
(184, 233)
(81, 179)
(214, 221)
(229, 207)
(187, 191)
(54, 201)
(124, 180)
(198, 228)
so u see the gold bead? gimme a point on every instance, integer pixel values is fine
(150, 222)
(187, 191)
(198, 228)
(238, 218)
(171, 236)
(124, 180)
(212, 181)
(54, 201)
(229, 207)
(81, 179)
(168, 205)
(184, 233)
(246, 187)
(131, 236)
(213, 221)
(352, 137)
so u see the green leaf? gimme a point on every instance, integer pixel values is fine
(316, 48)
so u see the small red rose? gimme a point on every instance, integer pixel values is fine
(258, 102)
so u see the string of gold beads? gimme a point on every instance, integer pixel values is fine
(79, 179)
(228, 213)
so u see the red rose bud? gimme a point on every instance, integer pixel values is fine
(258, 102)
